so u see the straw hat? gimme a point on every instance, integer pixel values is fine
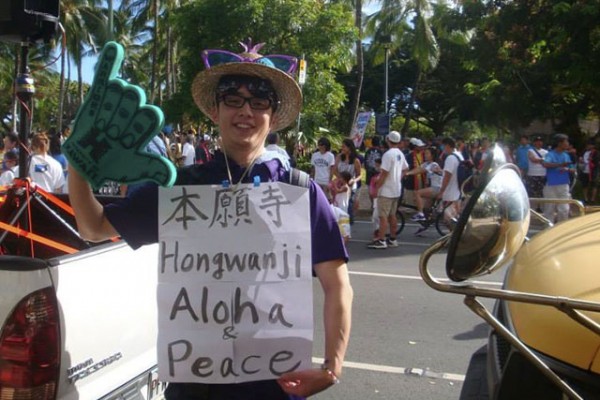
(288, 92)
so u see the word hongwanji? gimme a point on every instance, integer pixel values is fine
(286, 261)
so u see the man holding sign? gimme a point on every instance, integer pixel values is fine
(247, 96)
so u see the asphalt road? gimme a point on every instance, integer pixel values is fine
(408, 341)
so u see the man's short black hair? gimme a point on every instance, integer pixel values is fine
(13, 137)
(558, 139)
(449, 141)
(10, 156)
(272, 138)
(324, 142)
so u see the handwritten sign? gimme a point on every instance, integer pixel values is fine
(235, 283)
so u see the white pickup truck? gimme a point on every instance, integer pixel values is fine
(72, 326)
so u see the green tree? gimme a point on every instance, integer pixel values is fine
(541, 60)
(322, 31)
(81, 20)
(391, 22)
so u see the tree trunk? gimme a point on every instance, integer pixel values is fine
(15, 104)
(154, 73)
(411, 102)
(355, 101)
(61, 91)
(168, 87)
(80, 83)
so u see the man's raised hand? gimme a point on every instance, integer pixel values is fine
(113, 126)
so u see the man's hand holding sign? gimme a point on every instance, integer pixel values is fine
(235, 264)
(113, 126)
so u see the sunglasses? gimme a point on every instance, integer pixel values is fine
(237, 101)
(283, 63)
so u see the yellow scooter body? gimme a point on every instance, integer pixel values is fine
(562, 261)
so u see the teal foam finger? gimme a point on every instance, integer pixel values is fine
(113, 127)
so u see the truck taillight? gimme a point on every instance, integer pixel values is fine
(29, 349)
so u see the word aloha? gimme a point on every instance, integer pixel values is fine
(223, 313)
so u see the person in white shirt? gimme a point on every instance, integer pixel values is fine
(188, 152)
(273, 145)
(536, 172)
(585, 176)
(10, 161)
(389, 189)
(322, 162)
(44, 170)
(450, 191)
(434, 177)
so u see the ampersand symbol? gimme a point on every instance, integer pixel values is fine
(229, 333)
(112, 128)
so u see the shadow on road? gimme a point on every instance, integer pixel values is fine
(479, 331)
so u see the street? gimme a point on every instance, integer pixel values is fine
(408, 341)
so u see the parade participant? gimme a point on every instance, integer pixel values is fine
(44, 170)
(10, 160)
(322, 162)
(522, 155)
(347, 160)
(340, 189)
(434, 178)
(450, 190)
(536, 173)
(273, 145)
(558, 165)
(246, 96)
(373, 153)
(389, 189)
(587, 166)
(188, 152)
(413, 183)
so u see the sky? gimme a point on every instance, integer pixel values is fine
(89, 62)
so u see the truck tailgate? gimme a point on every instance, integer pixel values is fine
(107, 301)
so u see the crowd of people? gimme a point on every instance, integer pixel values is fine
(47, 166)
(421, 173)
(549, 166)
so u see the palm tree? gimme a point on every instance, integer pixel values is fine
(360, 68)
(81, 19)
(392, 22)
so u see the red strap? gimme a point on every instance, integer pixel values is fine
(37, 238)
(55, 200)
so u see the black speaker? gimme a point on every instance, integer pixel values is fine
(28, 20)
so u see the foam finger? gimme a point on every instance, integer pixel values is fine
(108, 107)
(130, 100)
(150, 167)
(147, 123)
(108, 65)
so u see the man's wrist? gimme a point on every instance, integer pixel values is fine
(332, 376)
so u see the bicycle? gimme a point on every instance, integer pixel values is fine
(434, 215)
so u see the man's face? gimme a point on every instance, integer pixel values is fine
(10, 163)
(7, 143)
(245, 128)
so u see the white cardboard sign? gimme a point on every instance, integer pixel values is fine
(235, 283)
